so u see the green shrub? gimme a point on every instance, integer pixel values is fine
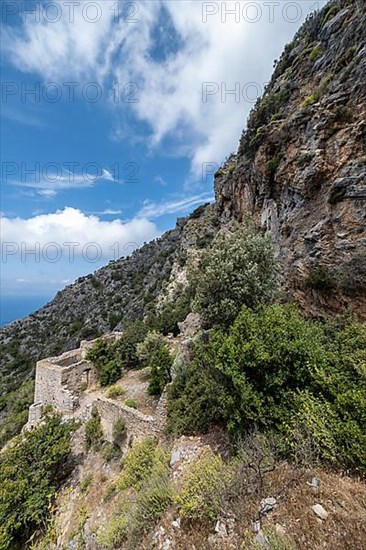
(107, 451)
(85, 482)
(315, 53)
(107, 363)
(154, 498)
(111, 451)
(144, 457)
(131, 403)
(93, 431)
(31, 471)
(199, 494)
(115, 531)
(319, 279)
(110, 372)
(344, 113)
(119, 429)
(154, 354)
(273, 164)
(115, 391)
(14, 407)
(309, 100)
(238, 269)
(196, 396)
(271, 104)
(166, 319)
(48, 409)
(111, 359)
(125, 348)
(146, 494)
(276, 371)
(110, 492)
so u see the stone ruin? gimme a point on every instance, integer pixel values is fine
(62, 383)
(61, 380)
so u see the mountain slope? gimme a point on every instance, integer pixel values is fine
(301, 164)
(300, 170)
(120, 292)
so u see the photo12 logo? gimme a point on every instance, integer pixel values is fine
(253, 12)
(53, 252)
(236, 91)
(69, 11)
(54, 92)
(67, 174)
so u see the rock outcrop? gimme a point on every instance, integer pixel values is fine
(301, 164)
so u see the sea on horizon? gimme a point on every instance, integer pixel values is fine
(13, 308)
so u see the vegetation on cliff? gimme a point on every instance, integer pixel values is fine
(286, 392)
(276, 371)
(31, 471)
(239, 268)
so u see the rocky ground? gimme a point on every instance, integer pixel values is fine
(311, 508)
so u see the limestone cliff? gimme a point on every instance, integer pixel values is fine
(301, 164)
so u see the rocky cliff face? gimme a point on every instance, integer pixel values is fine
(301, 164)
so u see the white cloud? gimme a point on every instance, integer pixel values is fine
(160, 181)
(48, 184)
(47, 193)
(225, 54)
(153, 210)
(73, 226)
(69, 47)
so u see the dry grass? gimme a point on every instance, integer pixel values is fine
(343, 498)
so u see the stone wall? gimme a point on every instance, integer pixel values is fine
(78, 377)
(60, 386)
(137, 424)
(60, 382)
(35, 414)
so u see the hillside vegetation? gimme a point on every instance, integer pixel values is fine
(243, 332)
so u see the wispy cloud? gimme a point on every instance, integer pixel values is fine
(54, 183)
(161, 181)
(21, 116)
(151, 210)
(47, 193)
(106, 212)
(201, 88)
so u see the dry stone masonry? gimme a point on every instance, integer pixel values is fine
(68, 384)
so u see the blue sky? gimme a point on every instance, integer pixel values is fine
(130, 113)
